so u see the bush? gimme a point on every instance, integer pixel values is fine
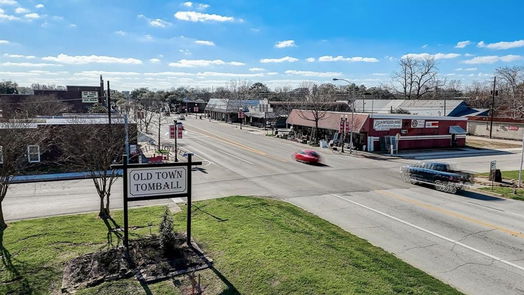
(167, 235)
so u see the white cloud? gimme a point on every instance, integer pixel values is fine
(39, 6)
(204, 42)
(188, 4)
(462, 44)
(328, 58)
(312, 74)
(120, 33)
(191, 63)
(73, 25)
(230, 75)
(19, 56)
(286, 43)
(28, 64)
(33, 15)
(278, 60)
(185, 51)
(425, 46)
(157, 22)
(379, 74)
(256, 69)
(20, 10)
(88, 59)
(4, 42)
(310, 59)
(489, 59)
(98, 73)
(501, 45)
(194, 16)
(154, 60)
(466, 69)
(7, 17)
(437, 56)
(202, 6)
(8, 2)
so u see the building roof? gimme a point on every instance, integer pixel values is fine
(423, 107)
(225, 105)
(331, 120)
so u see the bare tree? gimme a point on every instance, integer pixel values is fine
(316, 106)
(416, 77)
(510, 78)
(16, 135)
(94, 148)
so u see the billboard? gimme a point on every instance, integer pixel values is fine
(89, 96)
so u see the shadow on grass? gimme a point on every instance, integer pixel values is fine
(230, 287)
(200, 209)
(112, 229)
(13, 281)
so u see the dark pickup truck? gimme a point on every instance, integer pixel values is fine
(437, 174)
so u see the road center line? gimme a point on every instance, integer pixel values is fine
(237, 144)
(434, 234)
(451, 213)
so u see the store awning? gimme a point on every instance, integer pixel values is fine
(456, 130)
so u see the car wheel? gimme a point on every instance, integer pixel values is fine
(451, 188)
(439, 186)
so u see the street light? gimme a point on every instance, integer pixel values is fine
(352, 116)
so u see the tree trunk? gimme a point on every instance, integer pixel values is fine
(3, 225)
(316, 131)
(107, 204)
(102, 213)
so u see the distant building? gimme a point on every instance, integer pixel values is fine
(78, 98)
(504, 128)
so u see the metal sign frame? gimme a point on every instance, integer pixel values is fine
(125, 166)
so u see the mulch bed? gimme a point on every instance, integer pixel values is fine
(148, 262)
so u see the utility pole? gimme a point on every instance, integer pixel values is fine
(108, 103)
(176, 142)
(493, 92)
(521, 160)
(159, 123)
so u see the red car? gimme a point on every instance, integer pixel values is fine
(307, 156)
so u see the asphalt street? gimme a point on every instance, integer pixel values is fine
(471, 241)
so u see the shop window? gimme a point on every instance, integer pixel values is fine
(33, 153)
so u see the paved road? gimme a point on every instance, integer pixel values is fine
(471, 241)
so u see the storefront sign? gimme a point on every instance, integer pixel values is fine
(89, 96)
(513, 128)
(417, 123)
(382, 125)
(431, 124)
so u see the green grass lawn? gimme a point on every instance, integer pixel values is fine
(506, 192)
(506, 175)
(260, 246)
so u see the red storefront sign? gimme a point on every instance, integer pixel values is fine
(173, 131)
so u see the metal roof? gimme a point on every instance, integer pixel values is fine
(423, 107)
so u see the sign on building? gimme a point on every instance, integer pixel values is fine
(431, 124)
(89, 96)
(174, 130)
(387, 124)
(417, 123)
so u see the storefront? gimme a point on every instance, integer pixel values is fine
(383, 132)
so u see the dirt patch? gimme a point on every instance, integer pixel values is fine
(147, 261)
(487, 144)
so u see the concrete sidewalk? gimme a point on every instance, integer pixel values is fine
(54, 177)
(454, 153)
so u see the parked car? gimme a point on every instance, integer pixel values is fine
(438, 174)
(180, 125)
(181, 117)
(307, 156)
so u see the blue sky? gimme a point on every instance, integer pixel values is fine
(164, 44)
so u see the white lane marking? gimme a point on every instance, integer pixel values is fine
(434, 234)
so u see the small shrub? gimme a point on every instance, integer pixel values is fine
(167, 235)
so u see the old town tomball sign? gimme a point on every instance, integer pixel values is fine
(156, 181)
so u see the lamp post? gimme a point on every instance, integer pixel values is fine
(352, 116)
